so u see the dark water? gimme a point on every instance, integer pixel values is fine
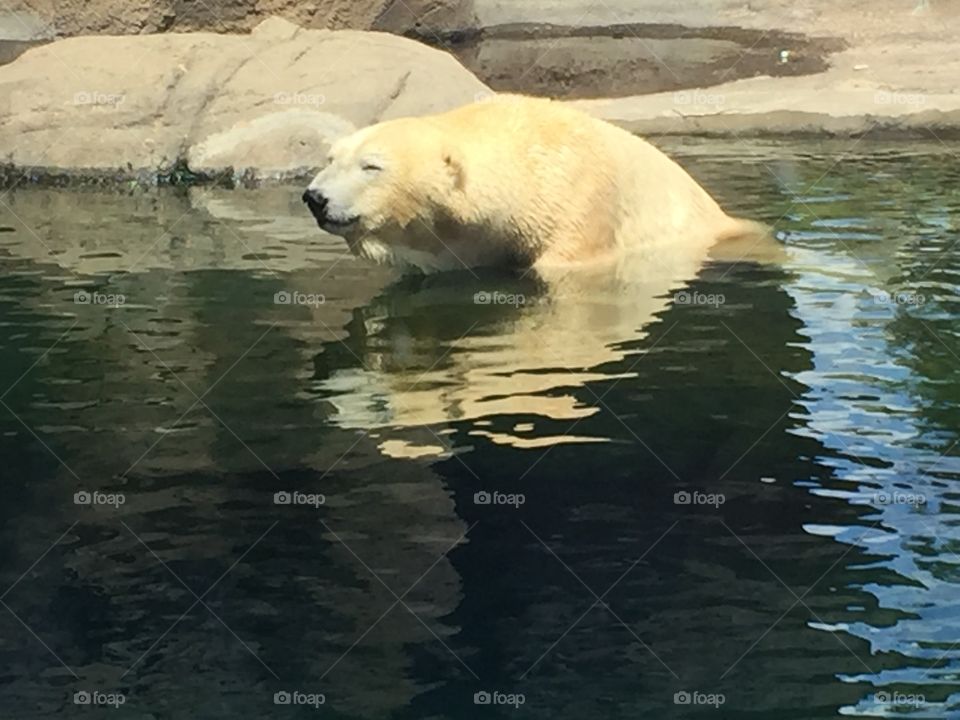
(816, 574)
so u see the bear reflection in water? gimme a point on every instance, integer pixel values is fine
(512, 347)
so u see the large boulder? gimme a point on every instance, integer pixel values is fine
(264, 104)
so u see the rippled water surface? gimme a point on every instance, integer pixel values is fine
(724, 482)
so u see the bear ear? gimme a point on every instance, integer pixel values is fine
(454, 165)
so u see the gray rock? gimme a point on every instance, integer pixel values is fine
(426, 17)
(124, 105)
(20, 31)
(132, 17)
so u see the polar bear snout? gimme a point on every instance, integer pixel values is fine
(317, 203)
(327, 216)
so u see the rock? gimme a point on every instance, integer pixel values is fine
(277, 146)
(116, 17)
(426, 17)
(131, 17)
(20, 31)
(125, 105)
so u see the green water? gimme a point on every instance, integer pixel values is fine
(808, 406)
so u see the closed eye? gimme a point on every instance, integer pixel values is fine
(372, 167)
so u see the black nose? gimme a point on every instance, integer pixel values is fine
(317, 204)
(312, 196)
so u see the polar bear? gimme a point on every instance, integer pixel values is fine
(516, 181)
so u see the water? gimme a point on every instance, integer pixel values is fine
(815, 574)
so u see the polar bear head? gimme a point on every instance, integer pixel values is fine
(385, 179)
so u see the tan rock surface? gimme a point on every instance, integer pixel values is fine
(129, 105)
